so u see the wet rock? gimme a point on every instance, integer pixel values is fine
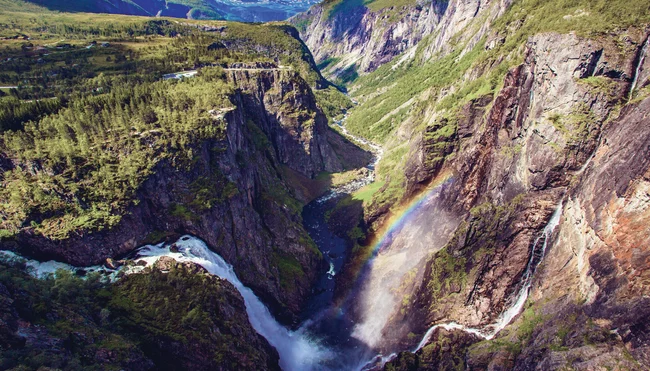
(112, 264)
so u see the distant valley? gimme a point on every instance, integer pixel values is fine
(232, 10)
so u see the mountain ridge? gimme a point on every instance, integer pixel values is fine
(249, 11)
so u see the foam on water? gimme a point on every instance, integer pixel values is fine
(298, 351)
(43, 270)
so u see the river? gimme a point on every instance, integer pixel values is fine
(329, 337)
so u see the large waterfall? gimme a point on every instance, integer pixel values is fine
(301, 349)
(297, 350)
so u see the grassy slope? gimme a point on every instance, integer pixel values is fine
(134, 7)
(408, 92)
(333, 7)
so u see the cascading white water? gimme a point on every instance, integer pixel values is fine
(639, 66)
(490, 331)
(297, 350)
(42, 270)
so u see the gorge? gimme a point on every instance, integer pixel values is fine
(370, 185)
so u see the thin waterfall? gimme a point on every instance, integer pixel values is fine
(536, 255)
(639, 66)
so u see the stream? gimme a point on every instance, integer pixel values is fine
(327, 339)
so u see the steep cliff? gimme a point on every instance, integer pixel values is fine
(500, 116)
(348, 37)
(232, 196)
(221, 155)
(351, 38)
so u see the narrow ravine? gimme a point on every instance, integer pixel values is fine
(333, 247)
(326, 339)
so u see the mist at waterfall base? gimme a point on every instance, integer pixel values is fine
(422, 229)
(347, 336)
(330, 338)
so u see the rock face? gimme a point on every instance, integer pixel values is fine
(362, 38)
(551, 137)
(351, 38)
(289, 117)
(233, 196)
(172, 316)
(526, 154)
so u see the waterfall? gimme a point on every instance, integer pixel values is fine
(639, 66)
(536, 255)
(297, 351)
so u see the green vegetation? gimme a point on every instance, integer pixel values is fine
(333, 103)
(393, 96)
(365, 194)
(99, 150)
(477, 238)
(289, 270)
(585, 17)
(156, 315)
(209, 191)
(92, 118)
(281, 197)
(347, 76)
(327, 62)
(198, 9)
(377, 117)
(391, 171)
(333, 7)
(447, 271)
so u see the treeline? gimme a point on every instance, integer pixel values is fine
(79, 168)
(92, 118)
(14, 112)
(110, 30)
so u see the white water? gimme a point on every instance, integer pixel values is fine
(43, 270)
(332, 271)
(297, 350)
(490, 331)
(637, 72)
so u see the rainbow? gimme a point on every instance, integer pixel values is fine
(395, 223)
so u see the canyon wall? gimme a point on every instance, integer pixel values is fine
(349, 38)
(233, 195)
(526, 123)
